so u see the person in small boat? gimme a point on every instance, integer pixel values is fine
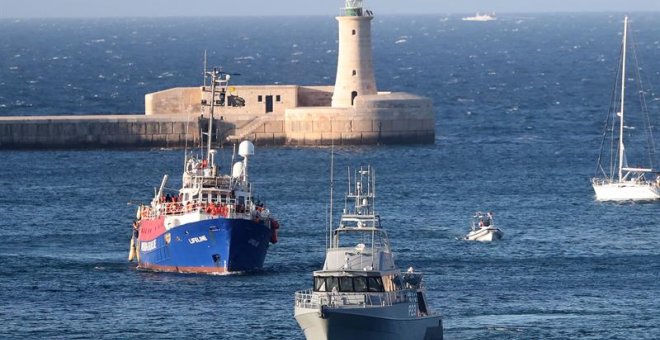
(488, 219)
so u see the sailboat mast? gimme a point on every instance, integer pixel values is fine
(623, 92)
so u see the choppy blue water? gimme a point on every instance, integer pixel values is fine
(520, 105)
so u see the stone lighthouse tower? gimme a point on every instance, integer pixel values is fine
(355, 71)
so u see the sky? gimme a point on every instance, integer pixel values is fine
(168, 8)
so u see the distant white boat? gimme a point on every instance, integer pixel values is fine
(484, 229)
(628, 183)
(481, 17)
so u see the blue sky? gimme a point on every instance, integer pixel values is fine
(160, 8)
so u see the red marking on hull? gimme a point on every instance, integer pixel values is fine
(187, 270)
(151, 229)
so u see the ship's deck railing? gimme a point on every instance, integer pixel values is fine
(228, 209)
(315, 300)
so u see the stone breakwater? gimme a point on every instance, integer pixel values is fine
(96, 131)
(298, 127)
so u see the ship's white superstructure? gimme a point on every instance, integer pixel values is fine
(481, 17)
(360, 293)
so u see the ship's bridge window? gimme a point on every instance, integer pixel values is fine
(319, 284)
(332, 283)
(376, 284)
(358, 284)
(346, 284)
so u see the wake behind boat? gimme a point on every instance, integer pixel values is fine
(617, 180)
(484, 229)
(360, 293)
(212, 224)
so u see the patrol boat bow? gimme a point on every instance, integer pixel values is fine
(212, 225)
(360, 293)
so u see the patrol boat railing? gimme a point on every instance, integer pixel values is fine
(315, 300)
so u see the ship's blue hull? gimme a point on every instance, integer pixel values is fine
(216, 245)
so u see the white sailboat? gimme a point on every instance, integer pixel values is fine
(628, 183)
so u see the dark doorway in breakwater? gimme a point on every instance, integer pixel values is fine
(353, 95)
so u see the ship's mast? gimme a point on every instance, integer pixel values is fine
(623, 92)
(332, 185)
(214, 82)
(218, 78)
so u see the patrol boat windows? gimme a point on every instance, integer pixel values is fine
(350, 284)
(363, 238)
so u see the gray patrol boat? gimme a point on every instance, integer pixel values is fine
(360, 293)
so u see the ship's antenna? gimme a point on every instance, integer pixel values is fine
(185, 148)
(332, 187)
(348, 170)
(373, 190)
(326, 226)
(205, 75)
(349, 179)
(204, 68)
(201, 140)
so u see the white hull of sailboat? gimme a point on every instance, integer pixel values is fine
(626, 191)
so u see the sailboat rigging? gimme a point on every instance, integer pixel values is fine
(629, 183)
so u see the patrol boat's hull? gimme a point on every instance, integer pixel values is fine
(377, 323)
(214, 246)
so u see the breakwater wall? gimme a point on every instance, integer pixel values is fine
(96, 131)
(301, 126)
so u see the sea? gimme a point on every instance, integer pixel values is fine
(520, 106)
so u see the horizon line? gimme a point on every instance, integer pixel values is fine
(446, 14)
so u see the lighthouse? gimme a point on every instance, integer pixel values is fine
(355, 71)
(352, 111)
